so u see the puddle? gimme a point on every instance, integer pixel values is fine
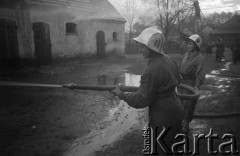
(215, 72)
(213, 92)
(127, 79)
(121, 120)
(225, 68)
(221, 83)
(132, 79)
(205, 96)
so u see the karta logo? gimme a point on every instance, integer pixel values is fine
(153, 140)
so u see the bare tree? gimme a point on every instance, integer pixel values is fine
(131, 16)
(143, 22)
(215, 19)
(169, 12)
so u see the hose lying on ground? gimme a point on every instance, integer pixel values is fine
(225, 115)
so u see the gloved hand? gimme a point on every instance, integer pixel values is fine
(197, 88)
(117, 91)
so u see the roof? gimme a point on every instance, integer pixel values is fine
(234, 20)
(207, 30)
(232, 26)
(225, 31)
(13, 4)
(90, 9)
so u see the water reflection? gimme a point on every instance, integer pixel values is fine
(215, 72)
(221, 83)
(127, 79)
(210, 76)
(132, 79)
(225, 68)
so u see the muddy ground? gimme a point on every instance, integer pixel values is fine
(37, 121)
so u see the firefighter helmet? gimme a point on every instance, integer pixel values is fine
(152, 38)
(196, 39)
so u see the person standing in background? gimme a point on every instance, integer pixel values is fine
(209, 48)
(220, 50)
(235, 50)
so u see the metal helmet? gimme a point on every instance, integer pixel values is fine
(196, 39)
(152, 38)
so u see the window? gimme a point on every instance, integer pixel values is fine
(114, 36)
(71, 28)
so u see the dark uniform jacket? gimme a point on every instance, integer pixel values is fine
(192, 68)
(192, 72)
(157, 91)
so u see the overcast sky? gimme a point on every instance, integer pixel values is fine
(207, 6)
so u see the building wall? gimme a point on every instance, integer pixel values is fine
(90, 29)
(24, 31)
(63, 45)
(228, 39)
(84, 42)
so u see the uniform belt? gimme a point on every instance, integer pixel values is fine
(188, 76)
(167, 93)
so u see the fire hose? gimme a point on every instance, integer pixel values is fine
(194, 93)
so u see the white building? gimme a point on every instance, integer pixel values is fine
(40, 30)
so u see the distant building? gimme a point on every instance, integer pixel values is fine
(41, 30)
(228, 31)
(206, 31)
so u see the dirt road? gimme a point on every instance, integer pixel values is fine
(45, 121)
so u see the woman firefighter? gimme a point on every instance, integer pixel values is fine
(157, 86)
(192, 73)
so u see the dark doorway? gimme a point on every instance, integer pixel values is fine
(100, 44)
(42, 44)
(9, 50)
